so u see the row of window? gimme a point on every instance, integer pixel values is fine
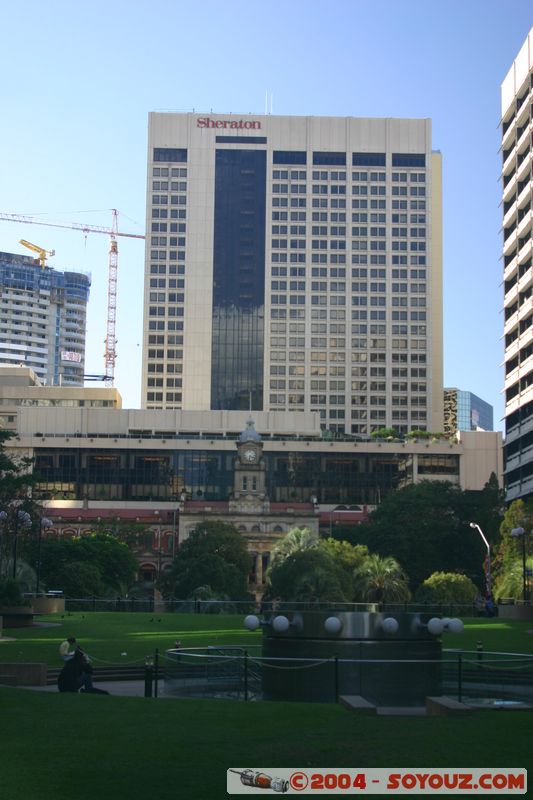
(372, 177)
(166, 172)
(359, 257)
(340, 202)
(406, 160)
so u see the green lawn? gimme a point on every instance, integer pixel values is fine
(107, 635)
(135, 748)
(115, 748)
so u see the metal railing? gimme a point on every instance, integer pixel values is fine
(148, 604)
(472, 677)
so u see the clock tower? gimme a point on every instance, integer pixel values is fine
(249, 482)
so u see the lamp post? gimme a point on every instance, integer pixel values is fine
(3, 517)
(22, 519)
(488, 581)
(521, 532)
(45, 523)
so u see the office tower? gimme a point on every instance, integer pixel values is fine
(43, 319)
(295, 263)
(517, 186)
(465, 411)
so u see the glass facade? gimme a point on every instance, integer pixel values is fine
(464, 411)
(473, 412)
(99, 474)
(43, 319)
(238, 280)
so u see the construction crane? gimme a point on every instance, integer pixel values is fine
(110, 340)
(36, 249)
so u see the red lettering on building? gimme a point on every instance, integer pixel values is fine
(234, 124)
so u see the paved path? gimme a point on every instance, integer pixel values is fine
(117, 688)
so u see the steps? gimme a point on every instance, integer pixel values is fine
(110, 672)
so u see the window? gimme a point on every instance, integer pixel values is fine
(408, 160)
(289, 157)
(329, 158)
(238, 139)
(175, 154)
(368, 159)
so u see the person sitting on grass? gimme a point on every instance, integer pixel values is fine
(76, 675)
(65, 653)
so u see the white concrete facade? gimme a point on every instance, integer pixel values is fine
(352, 267)
(517, 199)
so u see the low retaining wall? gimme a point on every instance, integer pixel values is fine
(48, 605)
(17, 616)
(21, 674)
(508, 611)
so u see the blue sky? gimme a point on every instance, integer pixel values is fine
(80, 78)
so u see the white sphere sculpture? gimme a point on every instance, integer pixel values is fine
(435, 626)
(251, 622)
(390, 625)
(280, 624)
(333, 625)
(446, 621)
(456, 625)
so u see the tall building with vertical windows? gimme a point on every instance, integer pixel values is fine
(295, 264)
(517, 197)
(43, 319)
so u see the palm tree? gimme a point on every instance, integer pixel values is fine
(294, 541)
(380, 580)
(319, 586)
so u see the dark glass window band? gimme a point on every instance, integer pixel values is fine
(170, 154)
(241, 139)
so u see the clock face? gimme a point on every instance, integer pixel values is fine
(250, 455)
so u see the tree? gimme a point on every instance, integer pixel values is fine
(347, 555)
(112, 565)
(510, 582)
(380, 580)
(518, 515)
(16, 480)
(78, 579)
(311, 574)
(214, 556)
(426, 527)
(447, 588)
(296, 540)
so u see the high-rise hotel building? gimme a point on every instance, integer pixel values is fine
(295, 263)
(517, 196)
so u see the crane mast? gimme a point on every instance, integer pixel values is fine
(110, 339)
(110, 353)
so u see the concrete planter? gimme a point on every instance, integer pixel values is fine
(48, 605)
(508, 611)
(17, 616)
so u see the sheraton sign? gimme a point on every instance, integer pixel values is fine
(232, 124)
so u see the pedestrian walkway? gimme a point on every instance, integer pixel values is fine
(116, 688)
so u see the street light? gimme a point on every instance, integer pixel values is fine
(488, 583)
(521, 532)
(45, 523)
(22, 519)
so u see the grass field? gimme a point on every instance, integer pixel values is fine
(106, 635)
(110, 748)
(115, 748)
